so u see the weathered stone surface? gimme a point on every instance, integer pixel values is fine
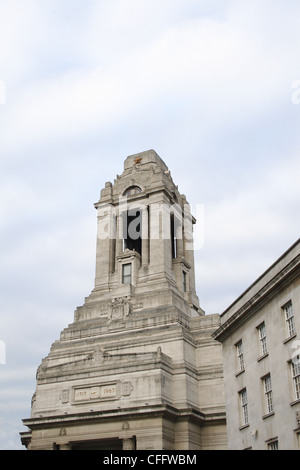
(141, 352)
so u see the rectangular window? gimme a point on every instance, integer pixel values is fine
(273, 445)
(268, 394)
(126, 273)
(244, 407)
(132, 229)
(289, 318)
(295, 365)
(262, 338)
(240, 355)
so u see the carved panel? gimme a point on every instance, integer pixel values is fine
(101, 392)
(65, 396)
(119, 308)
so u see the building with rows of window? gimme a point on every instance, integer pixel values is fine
(260, 336)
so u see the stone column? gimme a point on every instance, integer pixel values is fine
(113, 242)
(179, 241)
(119, 234)
(145, 236)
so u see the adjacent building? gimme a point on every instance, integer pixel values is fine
(260, 336)
(138, 367)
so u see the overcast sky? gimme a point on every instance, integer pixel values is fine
(211, 86)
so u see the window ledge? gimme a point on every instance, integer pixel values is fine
(289, 338)
(262, 357)
(244, 426)
(295, 402)
(239, 372)
(268, 415)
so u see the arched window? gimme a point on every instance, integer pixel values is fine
(132, 190)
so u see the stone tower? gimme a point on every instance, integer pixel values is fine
(137, 369)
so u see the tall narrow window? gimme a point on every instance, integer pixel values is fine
(132, 229)
(269, 406)
(244, 407)
(126, 273)
(240, 356)
(184, 281)
(262, 338)
(295, 365)
(289, 318)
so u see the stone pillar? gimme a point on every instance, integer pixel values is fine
(113, 242)
(179, 241)
(119, 235)
(145, 236)
(128, 444)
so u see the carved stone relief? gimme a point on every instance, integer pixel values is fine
(119, 308)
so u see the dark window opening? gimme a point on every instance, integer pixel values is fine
(184, 279)
(173, 238)
(132, 230)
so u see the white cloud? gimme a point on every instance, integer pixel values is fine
(217, 68)
(206, 84)
(246, 233)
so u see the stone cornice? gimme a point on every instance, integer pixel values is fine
(163, 409)
(258, 299)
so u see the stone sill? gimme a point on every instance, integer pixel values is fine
(289, 338)
(262, 357)
(244, 426)
(268, 415)
(295, 402)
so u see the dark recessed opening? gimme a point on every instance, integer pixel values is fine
(132, 230)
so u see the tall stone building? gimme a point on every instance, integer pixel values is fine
(138, 368)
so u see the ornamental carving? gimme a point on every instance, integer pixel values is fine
(119, 308)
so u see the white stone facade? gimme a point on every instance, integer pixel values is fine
(138, 368)
(260, 335)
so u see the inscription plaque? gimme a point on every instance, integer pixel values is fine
(108, 391)
(95, 393)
